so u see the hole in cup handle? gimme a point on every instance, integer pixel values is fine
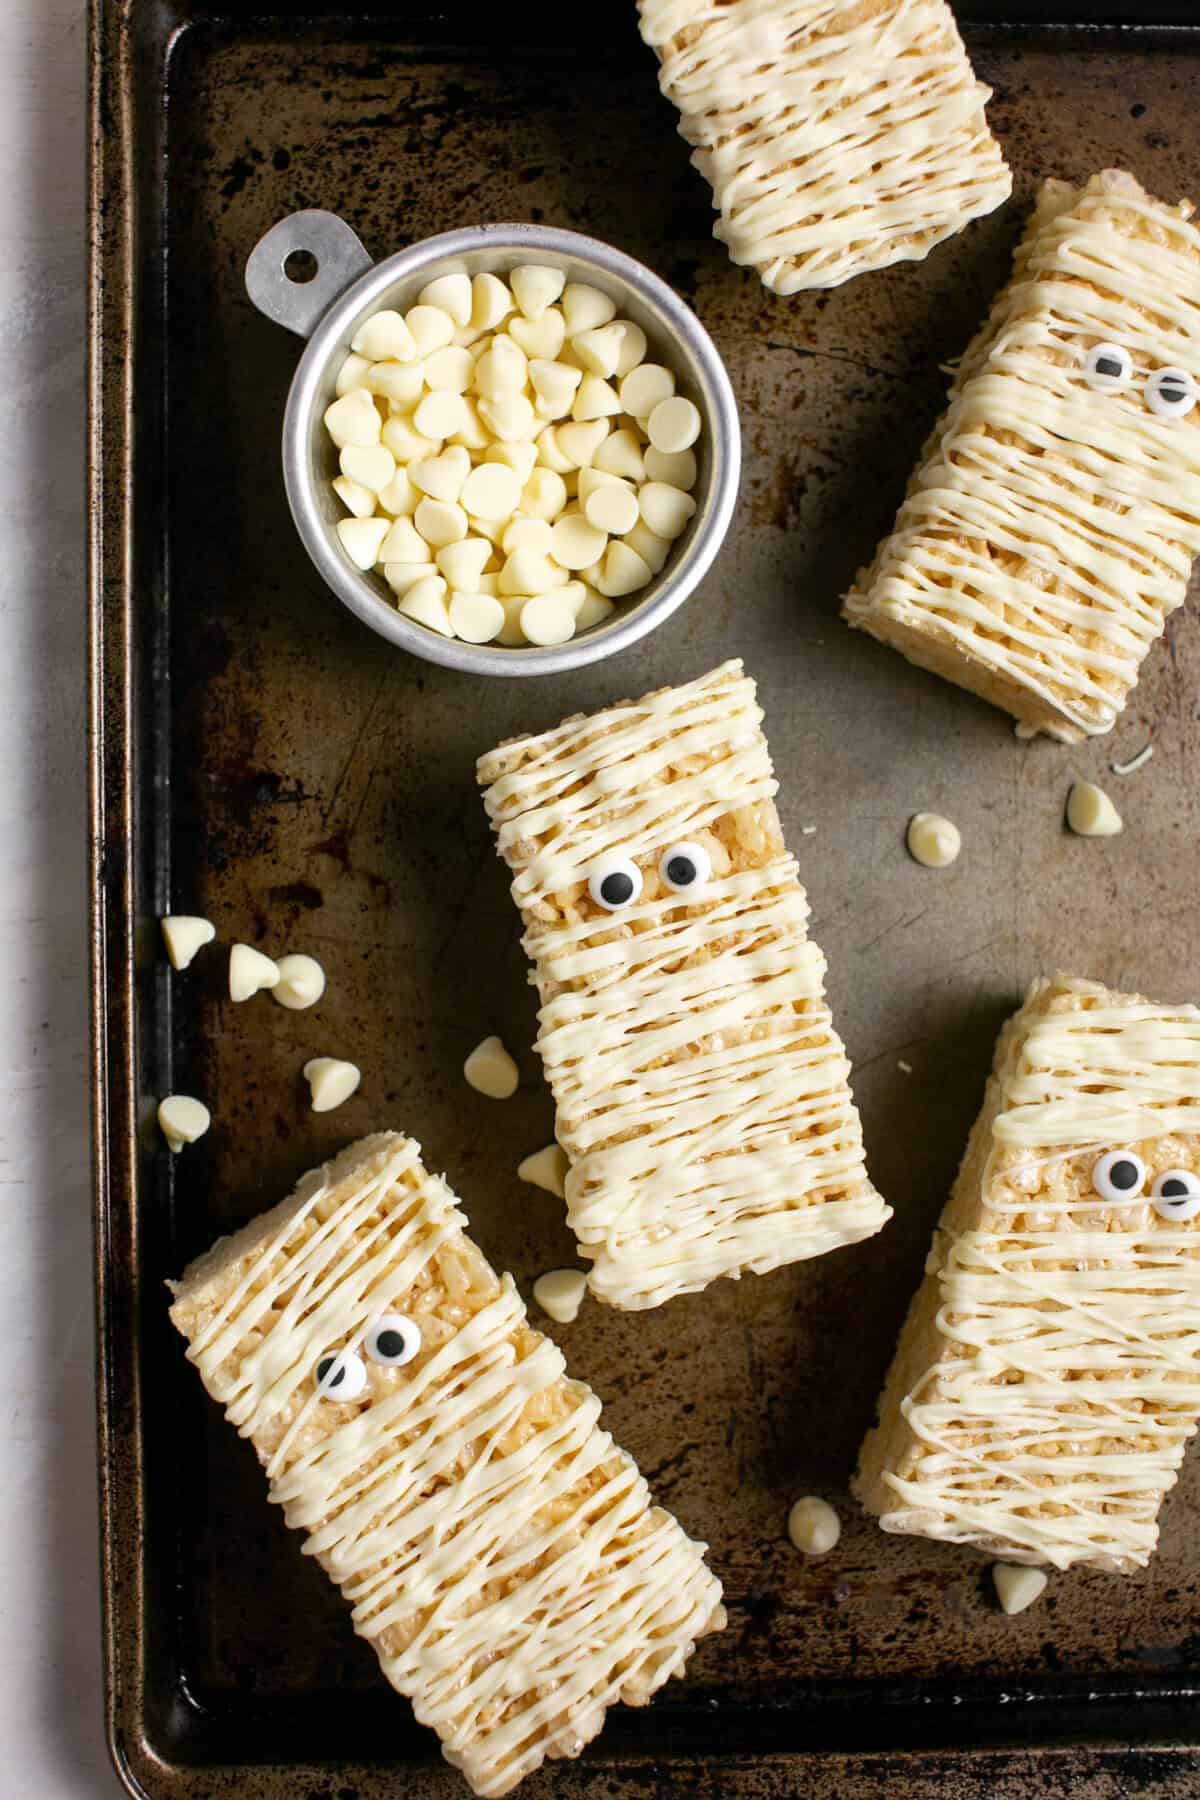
(307, 239)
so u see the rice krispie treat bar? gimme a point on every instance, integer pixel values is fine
(500, 1553)
(1051, 523)
(1047, 1378)
(836, 135)
(703, 1095)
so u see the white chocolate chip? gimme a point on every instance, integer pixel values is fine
(933, 841)
(354, 419)
(575, 543)
(526, 534)
(403, 544)
(476, 618)
(440, 414)
(432, 328)
(385, 337)
(544, 495)
(491, 1070)
(644, 388)
(301, 982)
(452, 293)
(595, 399)
(510, 416)
(371, 467)
(361, 538)
(814, 1526)
(331, 1081)
(400, 384)
(402, 577)
(527, 572)
(624, 572)
(579, 441)
(674, 425)
(546, 1169)
(593, 609)
(352, 494)
(535, 287)
(613, 510)
(182, 1120)
(425, 601)
(560, 1293)
(441, 477)
(473, 434)
(666, 509)
(542, 337)
(521, 457)
(249, 972)
(490, 302)
(405, 441)
(584, 308)
(599, 350)
(554, 385)
(652, 549)
(633, 346)
(400, 498)
(1090, 812)
(462, 564)
(502, 369)
(677, 469)
(550, 453)
(549, 618)
(352, 374)
(492, 491)
(1017, 1585)
(184, 934)
(621, 454)
(441, 522)
(451, 369)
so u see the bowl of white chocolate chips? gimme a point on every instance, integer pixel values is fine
(508, 449)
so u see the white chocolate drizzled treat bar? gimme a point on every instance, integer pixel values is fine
(1047, 1379)
(500, 1553)
(1051, 523)
(703, 1095)
(836, 135)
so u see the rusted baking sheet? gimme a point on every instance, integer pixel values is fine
(261, 758)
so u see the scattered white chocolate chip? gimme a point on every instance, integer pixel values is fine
(674, 425)
(1017, 1585)
(535, 287)
(546, 1169)
(1090, 812)
(933, 841)
(1135, 762)
(250, 971)
(182, 1120)
(560, 1293)
(331, 1081)
(184, 934)
(301, 982)
(491, 1070)
(813, 1526)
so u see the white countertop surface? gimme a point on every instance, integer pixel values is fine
(50, 1710)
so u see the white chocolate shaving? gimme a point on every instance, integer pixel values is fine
(836, 135)
(1050, 528)
(702, 1093)
(499, 1552)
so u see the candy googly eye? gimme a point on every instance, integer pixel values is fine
(1171, 393)
(615, 883)
(393, 1340)
(1119, 1176)
(1107, 367)
(1176, 1194)
(685, 867)
(341, 1377)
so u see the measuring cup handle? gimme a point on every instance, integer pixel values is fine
(300, 304)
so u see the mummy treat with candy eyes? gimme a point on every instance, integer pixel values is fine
(500, 1553)
(703, 1095)
(836, 135)
(1051, 524)
(1047, 1379)
(513, 459)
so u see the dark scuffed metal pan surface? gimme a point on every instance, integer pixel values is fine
(260, 758)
